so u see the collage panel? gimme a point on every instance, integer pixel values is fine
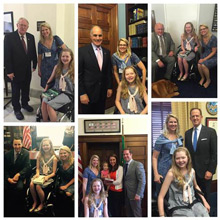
(39, 171)
(38, 62)
(113, 167)
(184, 50)
(184, 159)
(112, 40)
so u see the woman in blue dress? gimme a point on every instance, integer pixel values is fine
(123, 58)
(90, 173)
(48, 52)
(208, 57)
(164, 147)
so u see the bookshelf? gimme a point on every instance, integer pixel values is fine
(136, 20)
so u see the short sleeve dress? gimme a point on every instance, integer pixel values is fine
(88, 174)
(176, 199)
(66, 176)
(101, 209)
(49, 59)
(207, 49)
(121, 64)
(62, 99)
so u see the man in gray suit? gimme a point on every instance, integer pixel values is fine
(134, 184)
(163, 49)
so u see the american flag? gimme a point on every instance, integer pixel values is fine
(27, 137)
(80, 169)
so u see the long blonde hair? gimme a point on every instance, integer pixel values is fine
(70, 158)
(209, 34)
(193, 33)
(125, 84)
(59, 68)
(128, 47)
(91, 196)
(176, 170)
(42, 153)
(91, 159)
(42, 40)
(165, 127)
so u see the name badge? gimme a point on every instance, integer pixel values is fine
(120, 71)
(100, 213)
(47, 54)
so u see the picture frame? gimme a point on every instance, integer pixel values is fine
(102, 126)
(8, 22)
(212, 122)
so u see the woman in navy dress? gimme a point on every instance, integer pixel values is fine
(164, 147)
(208, 58)
(48, 52)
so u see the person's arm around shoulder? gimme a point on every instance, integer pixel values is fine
(105, 207)
(168, 179)
(86, 207)
(117, 100)
(145, 97)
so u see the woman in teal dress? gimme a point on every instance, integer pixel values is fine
(48, 52)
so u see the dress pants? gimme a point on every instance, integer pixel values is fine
(133, 207)
(94, 108)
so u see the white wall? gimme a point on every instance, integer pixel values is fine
(138, 125)
(174, 16)
(59, 16)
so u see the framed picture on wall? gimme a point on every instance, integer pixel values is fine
(8, 22)
(212, 123)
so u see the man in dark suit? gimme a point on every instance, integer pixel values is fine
(201, 141)
(19, 54)
(163, 49)
(95, 74)
(134, 184)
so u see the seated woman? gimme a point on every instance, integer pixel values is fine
(181, 181)
(123, 58)
(63, 74)
(208, 58)
(95, 204)
(46, 166)
(189, 45)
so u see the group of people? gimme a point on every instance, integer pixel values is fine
(55, 63)
(96, 69)
(181, 170)
(105, 191)
(163, 52)
(18, 171)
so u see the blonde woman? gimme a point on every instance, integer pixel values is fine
(208, 57)
(123, 58)
(90, 173)
(48, 49)
(164, 147)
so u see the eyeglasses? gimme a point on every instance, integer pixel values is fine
(202, 29)
(97, 35)
(23, 25)
(122, 45)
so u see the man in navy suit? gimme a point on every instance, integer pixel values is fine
(19, 54)
(134, 184)
(95, 74)
(201, 141)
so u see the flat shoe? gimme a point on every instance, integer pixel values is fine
(183, 79)
(32, 209)
(38, 210)
(28, 108)
(179, 78)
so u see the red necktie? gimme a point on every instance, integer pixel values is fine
(23, 43)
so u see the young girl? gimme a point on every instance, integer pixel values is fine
(63, 73)
(46, 166)
(131, 93)
(105, 173)
(189, 45)
(180, 181)
(95, 204)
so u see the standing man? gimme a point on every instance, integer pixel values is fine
(19, 54)
(134, 184)
(95, 74)
(201, 141)
(163, 49)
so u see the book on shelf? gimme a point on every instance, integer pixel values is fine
(132, 27)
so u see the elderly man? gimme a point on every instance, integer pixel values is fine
(95, 74)
(163, 49)
(19, 54)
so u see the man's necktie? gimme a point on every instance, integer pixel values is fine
(126, 168)
(16, 157)
(195, 140)
(23, 43)
(162, 46)
(99, 57)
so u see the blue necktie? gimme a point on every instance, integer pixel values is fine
(126, 168)
(195, 140)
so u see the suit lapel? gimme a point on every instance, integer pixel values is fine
(19, 42)
(201, 134)
(93, 56)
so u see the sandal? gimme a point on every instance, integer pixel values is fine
(38, 209)
(179, 78)
(184, 78)
(32, 209)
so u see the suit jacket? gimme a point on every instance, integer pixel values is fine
(93, 81)
(15, 58)
(134, 180)
(205, 157)
(169, 45)
(22, 164)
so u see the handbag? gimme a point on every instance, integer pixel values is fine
(50, 94)
(39, 180)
